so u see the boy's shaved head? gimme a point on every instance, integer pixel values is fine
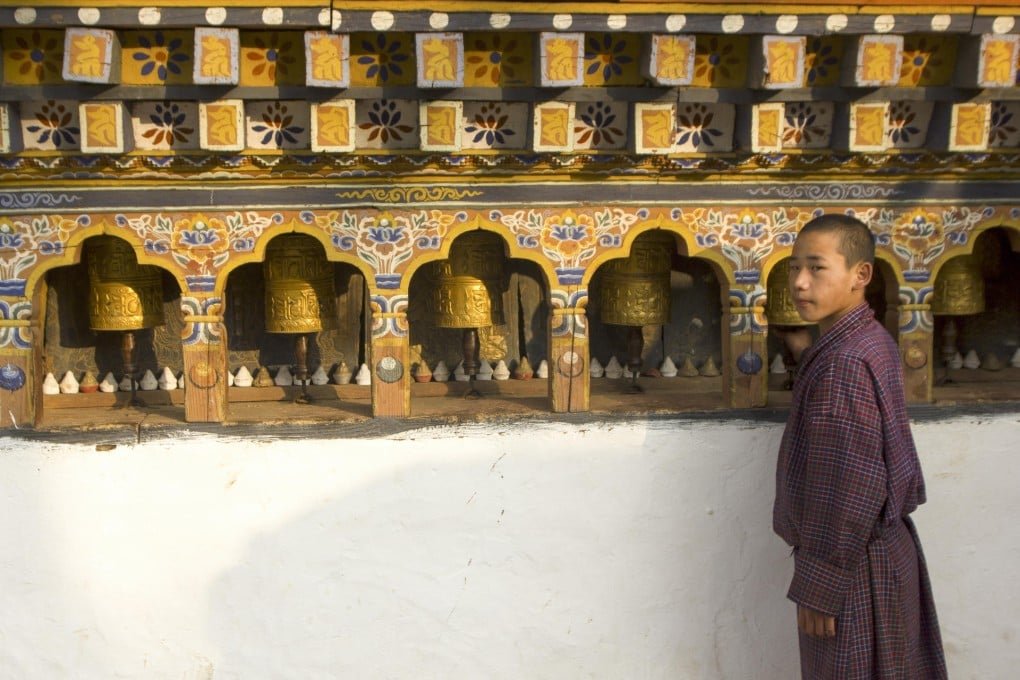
(856, 243)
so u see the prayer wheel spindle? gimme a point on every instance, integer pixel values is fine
(124, 296)
(470, 294)
(635, 292)
(300, 296)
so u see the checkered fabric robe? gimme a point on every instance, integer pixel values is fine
(847, 479)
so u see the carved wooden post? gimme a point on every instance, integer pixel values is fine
(20, 385)
(916, 341)
(205, 359)
(390, 357)
(745, 351)
(569, 376)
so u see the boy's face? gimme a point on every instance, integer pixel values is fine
(823, 287)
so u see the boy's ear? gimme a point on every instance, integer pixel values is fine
(864, 271)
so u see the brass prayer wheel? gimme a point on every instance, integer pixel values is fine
(959, 288)
(470, 290)
(779, 308)
(300, 296)
(123, 295)
(635, 290)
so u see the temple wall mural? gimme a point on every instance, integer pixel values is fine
(201, 207)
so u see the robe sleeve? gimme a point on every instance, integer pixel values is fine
(844, 484)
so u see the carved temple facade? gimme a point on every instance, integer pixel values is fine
(385, 131)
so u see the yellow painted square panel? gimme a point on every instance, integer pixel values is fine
(157, 57)
(612, 59)
(720, 61)
(928, 60)
(33, 57)
(498, 59)
(271, 58)
(382, 59)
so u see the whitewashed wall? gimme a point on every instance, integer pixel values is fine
(633, 550)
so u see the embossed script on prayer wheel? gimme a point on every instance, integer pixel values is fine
(123, 295)
(959, 288)
(635, 290)
(780, 309)
(300, 296)
(470, 294)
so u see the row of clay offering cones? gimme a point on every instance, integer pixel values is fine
(614, 370)
(486, 371)
(69, 384)
(991, 362)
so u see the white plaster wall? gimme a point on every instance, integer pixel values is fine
(634, 550)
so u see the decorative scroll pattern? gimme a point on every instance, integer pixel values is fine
(29, 200)
(753, 300)
(911, 318)
(16, 337)
(389, 316)
(410, 194)
(825, 192)
(569, 324)
(201, 332)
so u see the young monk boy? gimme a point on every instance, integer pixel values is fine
(848, 478)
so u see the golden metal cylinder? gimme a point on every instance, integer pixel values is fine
(779, 308)
(959, 288)
(123, 295)
(635, 290)
(470, 290)
(300, 296)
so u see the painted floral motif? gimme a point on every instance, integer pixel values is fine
(569, 238)
(382, 58)
(901, 123)
(56, 124)
(159, 57)
(1004, 129)
(384, 122)
(719, 61)
(695, 126)
(271, 59)
(805, 124)
(33, 57)
(23, 241)
(168, 126)
(278, 126)
(746, 237)
(199, 244)
(490, 126)
(608, 59)
(493, 59)
(924, 60)
(920, 236)
(385, 241)
(821, 62)
(599, 125)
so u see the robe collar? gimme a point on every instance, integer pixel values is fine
(851, 321)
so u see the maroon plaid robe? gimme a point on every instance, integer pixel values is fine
(847, 478)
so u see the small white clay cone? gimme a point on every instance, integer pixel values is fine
(459, 374)
(595, 369)
(484, 370)
(148, 381)
(69, 384)
(283, 377)
(501, 371)
(778, 366)
(364, 376)
(181, 382)
(957, 361)
(708, 369)
(441, 373)
(971, 360)
(992, 362)
(614, 370)
(342, 375)
(50, 385)
(688, 369)
(242, 377)
(319, 377)
(167, 382)
(543, 369)
(125, 384)
(668, 368)
(1015, 361)
(230, 379)
(627, 373)
(109, 384)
